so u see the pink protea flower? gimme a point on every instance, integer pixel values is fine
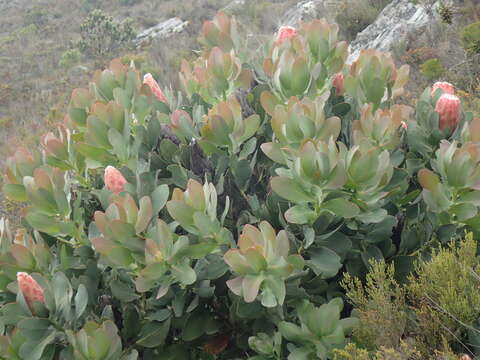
(445, 86)
(448, 109)
(338, 83)
(114, 180)
(153, 85)
(30, 289)
(403, 124)
(285, 32)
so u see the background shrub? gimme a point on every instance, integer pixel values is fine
(470, 36)
(101, 35)
(70, 58)
(432, 69)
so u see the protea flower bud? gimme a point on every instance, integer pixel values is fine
(30, 289)
(153, 85)
(285, 32)
(338, 84)
(114, 180)
(448, 109)
(445, 86)
(465, 357)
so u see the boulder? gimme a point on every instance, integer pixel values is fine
(162, 30)
(395, 25)
(309, 9)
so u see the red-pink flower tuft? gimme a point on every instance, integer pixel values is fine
(30, 289)
(338, 84)
(448, 109)
(284, 33)
(445, 86)
(114, 180)
(153, 85)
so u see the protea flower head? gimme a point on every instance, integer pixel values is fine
(448, 109)
(285, 32)
(30, 289)
(445, 86)
(114, 180)
(153, 85)
(338, 84)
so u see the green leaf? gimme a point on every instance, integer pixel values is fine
(122, 291)
(33, 350)
(300, 214)
(181, 212)
(62, 292)
(195, 326)
(120, 146)
(381, 231)
(292, 332)
(372, 252)
(324, 262)
(184, 273)
(15, 192)
(269, 101)
(34, 328)
(81, 300)
(290, 190)
(404, 266)
(179, 175)
(43, 223)
(145, 214)
(341, 109)
(251, 286)
(341, 207)
(159, 198)
(242, 173)
(23, 256)
(13, 313)
(153, 334)
(196, 251)
(160, 315)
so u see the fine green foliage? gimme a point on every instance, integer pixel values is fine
(432, 69)
(352, 352)
(470, 36)
(70, 58)
(101, 34)
(381, 307)
(218, 221)
(445, 292)
(437, 308)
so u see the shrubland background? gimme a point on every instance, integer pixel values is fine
(49, 48)
(40, 59)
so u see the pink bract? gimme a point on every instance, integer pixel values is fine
(114, 180)
(153, 85)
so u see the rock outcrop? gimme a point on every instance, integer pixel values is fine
(396, 23)
(309, 9)
(162, 30)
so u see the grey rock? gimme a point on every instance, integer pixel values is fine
(234, 5)
(162, 30)
(395, 24)
(309, 9)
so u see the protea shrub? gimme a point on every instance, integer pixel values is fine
(219, 222)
